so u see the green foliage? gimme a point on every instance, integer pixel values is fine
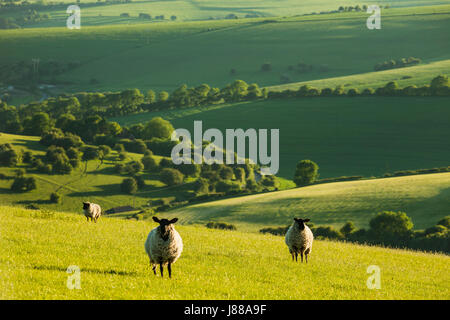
(55, 197)
(149, 163)
(348, 228)
(158, 128)
(445, 222)
(389, 225)
(129, 186)
(23, 184)
(201, 186)
(306, 173)
(171, 177)
(220, 225)
(8, 156)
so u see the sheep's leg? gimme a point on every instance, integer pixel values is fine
(154, 269)
(296, 255)
(169, 268)
(301, 255)
(306, 256)
(161, 269)
(292, 254)
(87, 219)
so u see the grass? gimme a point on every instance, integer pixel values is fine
(37, 247)
(100, 184)
(206, 51)
(366, 136)
(423, 197)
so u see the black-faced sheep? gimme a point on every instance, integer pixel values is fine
(163, 245)
(299, 239)
(92, 211)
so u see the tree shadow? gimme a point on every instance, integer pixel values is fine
(41, 201)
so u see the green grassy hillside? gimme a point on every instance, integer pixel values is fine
(345, 136)
(37, 247)
(100, 184)
(423, 197)
(121, 56)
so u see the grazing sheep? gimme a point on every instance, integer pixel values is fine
(163, 245)
(299, 239)
(92, 211)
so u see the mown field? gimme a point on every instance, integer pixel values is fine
(37, 247)
(366, 136)
(161, 56)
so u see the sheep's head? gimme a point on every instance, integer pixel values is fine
(165, 226)
(86, 205)
(300, 223)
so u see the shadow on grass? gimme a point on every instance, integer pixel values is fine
(42, 201)
(31, 145)
(91, 270)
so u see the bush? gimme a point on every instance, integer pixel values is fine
(347, 229)
(445, 222)
(55, 197)
(277, 231)
(327, 232)
(149, 163)
(390, 227)
(23, 184)
(220, 225)
(201, 186)
(228, 186)
(306, 173)
(129, 185)
(171, 177)
(8, 156)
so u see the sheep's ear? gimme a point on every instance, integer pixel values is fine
(156, 219)
(173, 220)
(297, 219)
(305, 220)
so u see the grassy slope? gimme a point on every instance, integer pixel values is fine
(345, 136)
(100, 184)
(202, 9)
(423, 197)
(194, 55)
(37, 247)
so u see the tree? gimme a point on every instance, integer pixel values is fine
(445, 222)
(90, 153)
(149, 163)
(306, 173)
(201, 186)
(163, 96)
(55, 197)
(173, 18)
(8, 156)
(38, 124)
(171, 176)
(389, 225)
(129, 185)
(158, 128)
(151, 96)
(23, 184)
(348, 228)
(226, 173)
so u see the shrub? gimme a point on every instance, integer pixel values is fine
(149, 163)
(129, 185)
(55, 197)
(389, 226)
(8, 156)
(347, 228)
(445, 222)
(306, 173)
(220, 225)
(227, 186)
(277, 231)
(171, 176)
(327, 232)
(23, 184)
(201, 186)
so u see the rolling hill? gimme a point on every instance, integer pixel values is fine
(366, 136)
(162, 56)
(423, 197)
(37, 247)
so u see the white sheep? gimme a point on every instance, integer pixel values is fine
(163, 245)
(299, 239)
(92, 211)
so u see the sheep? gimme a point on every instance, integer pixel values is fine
(299, 239)
(92, 211)
(163, 245)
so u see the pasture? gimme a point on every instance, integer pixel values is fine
(37, 247)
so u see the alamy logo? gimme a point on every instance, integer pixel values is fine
(74, 279)
(374, 281)
(214, 151)
(374, 21)
(74, 21)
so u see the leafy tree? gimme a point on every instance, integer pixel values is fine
(129, 185)
(55, 197)
(23, 184)
(201, 186)
(445, 222)
(306, 173)
(151, 96)
(149, 163)
(38, 124)
(348, 228)
(163, 96)
(158, 128)
(226, 173)
(8, 156)
(171, 176)
(388, 225)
